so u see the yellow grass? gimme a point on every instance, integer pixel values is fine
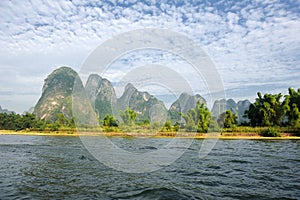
(232, 135)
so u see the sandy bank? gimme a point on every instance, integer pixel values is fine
(243, 136)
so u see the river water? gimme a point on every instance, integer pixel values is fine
(48, 167)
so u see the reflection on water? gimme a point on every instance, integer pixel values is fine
(36, 167)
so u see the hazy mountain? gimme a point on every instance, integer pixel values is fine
(4, 110)
(30, 110)
(237, 108)
(56, 94)
(242, 107)
(146, 106)
(102, 95)
(183, 104)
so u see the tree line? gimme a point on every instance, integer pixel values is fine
(28, 121)
(268, 110)
(276, 110)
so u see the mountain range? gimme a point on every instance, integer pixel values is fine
(4, 110)
(57, 98)
(238, 108)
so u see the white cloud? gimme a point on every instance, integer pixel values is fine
(250, 43)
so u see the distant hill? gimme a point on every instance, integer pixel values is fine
(30, 110)
(57, 97)
(56, 94)
(237, 108)
(101, 94)
(143, 103)
(4, 110)
(183, 104)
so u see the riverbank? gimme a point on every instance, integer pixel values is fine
(224, 135)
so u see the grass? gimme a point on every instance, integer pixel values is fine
(241, 132)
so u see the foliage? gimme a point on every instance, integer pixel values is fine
(197, 119)
(271, 132)
(128, 116)
(293, 102)
(62, 121)
(14, 121)
(29, 121)
(110, 121)
(227, 119)
(111, 129)
(168, 127)
(213, 125)
(267, 110)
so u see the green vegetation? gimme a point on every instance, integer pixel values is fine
(128, 116)
(293, 102)
(270, 115)
(267, 110)
(227, 119)
(197, 119)
(30, 122)
(270, 110)
(270, 132)
(110, 121)
(16, 122)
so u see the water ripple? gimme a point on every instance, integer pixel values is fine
(60, 168)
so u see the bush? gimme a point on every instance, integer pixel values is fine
(111, 129)
(271, 132)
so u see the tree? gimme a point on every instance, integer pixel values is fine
(128, 116)
(293, 102)
(29, 121)
(227, 119)
(17, 122)
(267, 110)
(197, 119)
(294, 116)
(168, 125)
(109, 121)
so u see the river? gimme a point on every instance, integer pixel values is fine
(49, 167)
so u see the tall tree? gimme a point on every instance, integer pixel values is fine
(267, 110)
(197, 119)
(128, 116)
(293, 102)
(227, 119)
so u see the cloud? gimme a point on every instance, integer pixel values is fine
(251, 43)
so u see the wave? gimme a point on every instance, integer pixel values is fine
(160, 193)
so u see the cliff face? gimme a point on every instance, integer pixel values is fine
(101, 94)
(141, 102)
(99, 99)
(183, 104)
(56, 94)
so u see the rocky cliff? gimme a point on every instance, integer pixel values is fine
(145, 105)
(56, 94)
(101, 94)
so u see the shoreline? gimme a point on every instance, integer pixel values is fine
(184, 135)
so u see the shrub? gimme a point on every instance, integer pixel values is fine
(270, 132)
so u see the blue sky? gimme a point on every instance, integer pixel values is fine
(255, 45)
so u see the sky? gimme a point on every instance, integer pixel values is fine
(254, 45)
